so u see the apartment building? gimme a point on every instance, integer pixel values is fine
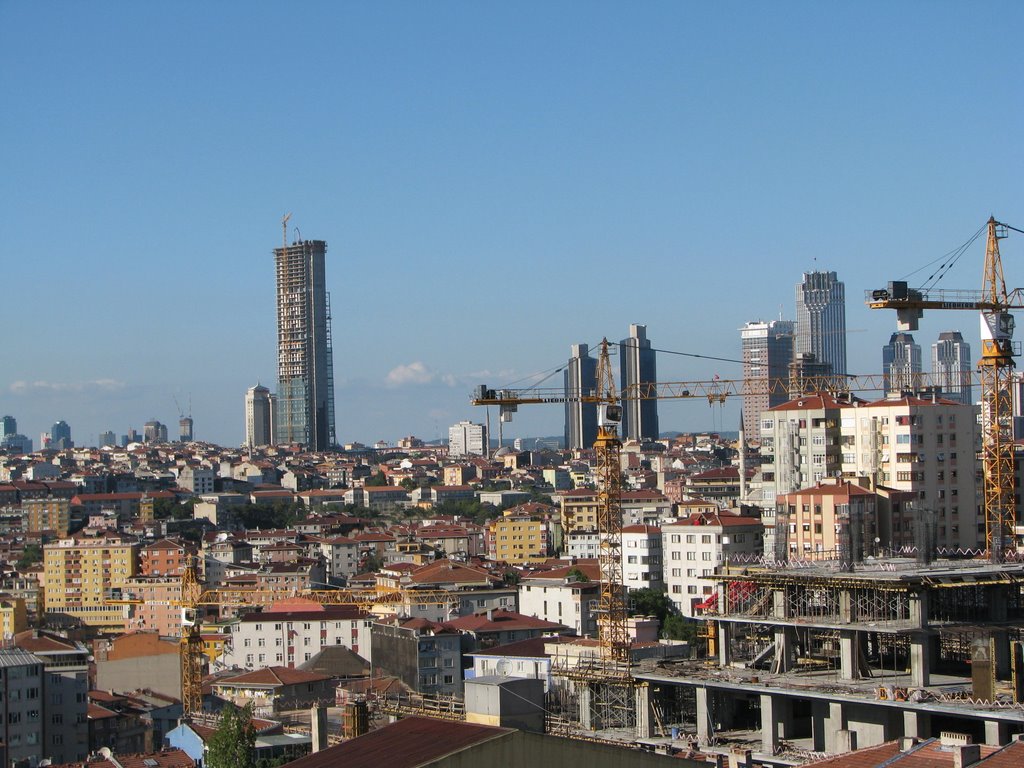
(518, 538)
(82, 573)
(694, 546)
(642, 566)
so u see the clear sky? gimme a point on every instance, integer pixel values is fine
(495, 182)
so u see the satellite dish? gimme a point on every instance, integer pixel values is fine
(503, 667)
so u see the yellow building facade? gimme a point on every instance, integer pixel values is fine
(517, 539)
(82, 574)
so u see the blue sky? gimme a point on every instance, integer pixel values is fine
(495, 183)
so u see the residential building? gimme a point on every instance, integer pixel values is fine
(82, 574)
(767, 349)
(292, 631)
(13, 616)
(952, 367)
(695, 546)
(561, 596)
(423, 654)
(304, 409)
(158, 606)
(579, 510)
(814, 518)
(642, 565)
(517, 538)
(22, 706)
(637, 365)
(275, 688)
(926, 446)
(49, 514)
(65, 736)
(138, 660)
(197, 479)
(821, 319)
(580, 417)
(901, 363)
(467, 439)
(259, 417)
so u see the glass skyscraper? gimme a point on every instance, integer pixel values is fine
(821, 319)
(637, 366)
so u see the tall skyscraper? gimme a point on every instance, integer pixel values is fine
(821, 319)
(952, 365)
(580, 418)
(305, 364)
(185, 425)
(258, 417)
(8, 426)
(901, 362)
(60, 436)
(107, 439)
(767, 353)
(637, 365)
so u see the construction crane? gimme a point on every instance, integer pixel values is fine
(996, 365)
(284, 230)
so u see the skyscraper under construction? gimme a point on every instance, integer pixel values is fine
(305, 364)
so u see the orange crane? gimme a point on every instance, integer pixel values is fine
(996, 365)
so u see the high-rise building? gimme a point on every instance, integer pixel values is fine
(806, 373)
(82, 574)
(580, 418)
(467, 439)
(60, 436)
(767, 353)
(185, 425)
(821, 319)
(305, 366)
(637, 365)
(8, 426)
(901, 363)
(951, 366)
(258, 417)
(107, 438)
(154, 432)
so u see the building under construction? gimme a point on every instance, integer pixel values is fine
(825, 656)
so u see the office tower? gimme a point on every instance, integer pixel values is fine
(305, 387)
(60, 436)
(767, 353)
(637, 366)
(8, 426)
(821, 319)
(258, 417)
(185, 424)
(901, 363)
(580, 418)
(467, 439)
(951, 366)
(154, 432)
(806, 374)
(107, 438)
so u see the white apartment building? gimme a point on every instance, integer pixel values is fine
(694, 546)
(553, 596)
(926, 446)
(467, 439)
(295, 632)
(582, 545)
(342, 558)
(642, 566)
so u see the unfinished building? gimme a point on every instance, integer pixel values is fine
(820, 657)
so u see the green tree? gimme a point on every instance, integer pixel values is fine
(677, 627)
(30, 555)
(379, 478)
(576, 574)
(233, 744)
(651, 602)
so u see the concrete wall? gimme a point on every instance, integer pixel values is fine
(158, 673)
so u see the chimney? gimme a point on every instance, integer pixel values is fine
(965, 755)
(318, 726)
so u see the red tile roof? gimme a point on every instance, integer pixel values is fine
(502, 621)
(273, 677)
(408, 743)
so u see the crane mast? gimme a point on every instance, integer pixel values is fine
(191, 645)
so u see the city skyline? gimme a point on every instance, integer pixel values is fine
(473, 169)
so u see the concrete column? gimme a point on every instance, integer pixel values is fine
(783, 651)
(849, 654)
(769, 731)
(996, 733)
(703, 715)
(846, 607)
(919, 609)
(586, 698)
(916, 724)
(644, 729)
(724, 643)
(779, 604)
(833, 724)
(920, 660)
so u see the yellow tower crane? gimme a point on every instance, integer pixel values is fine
(996, 372)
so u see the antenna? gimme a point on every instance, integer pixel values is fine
(284, 230)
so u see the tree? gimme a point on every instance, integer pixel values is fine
(378, 478)
(678, 627)
(576, 574)
(651, 602)
(233, 744)
(30, 555)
